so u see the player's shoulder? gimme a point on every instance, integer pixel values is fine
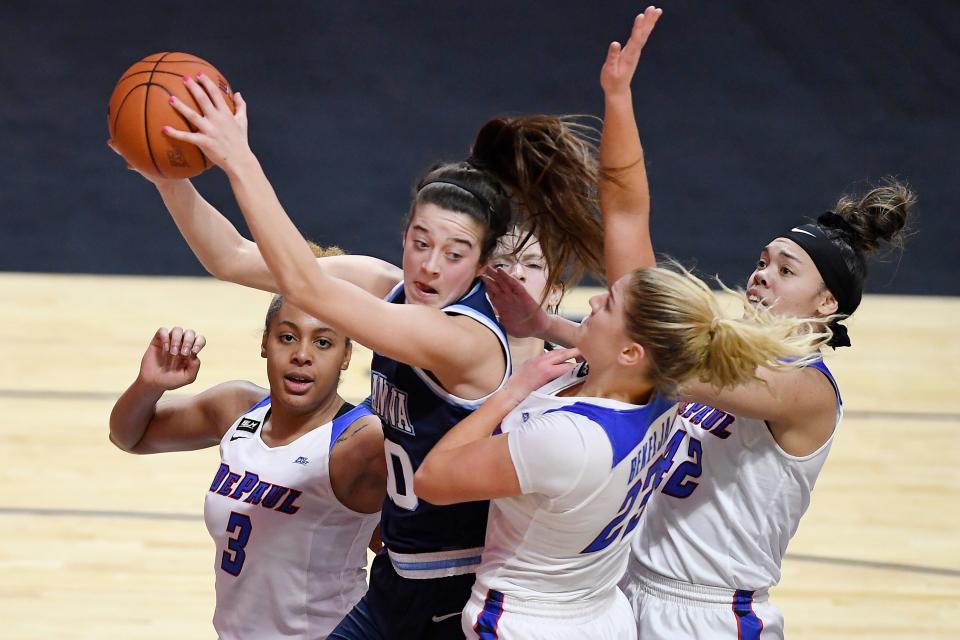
(232, 399)
(360, 429)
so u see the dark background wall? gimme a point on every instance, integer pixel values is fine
(754, 115)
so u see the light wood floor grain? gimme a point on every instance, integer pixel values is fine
(95, 543)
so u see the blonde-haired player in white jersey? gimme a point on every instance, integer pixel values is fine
(738, 471)
(295, 500)
(563, 461)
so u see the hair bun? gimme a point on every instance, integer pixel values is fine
(880, 215)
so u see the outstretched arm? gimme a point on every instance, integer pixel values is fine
(624, 192)
(141, 423)
(453, 348)
(228, 256)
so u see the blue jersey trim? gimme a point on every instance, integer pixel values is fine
(437, 564)
(822, 368)
(342, 422)
(749, 626)
(261, 403)
(488, 621)
(625, 428)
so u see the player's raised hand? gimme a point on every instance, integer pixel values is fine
(519, 313)
(621, 62)
(171, 361)
(219, 132)
(536, 372)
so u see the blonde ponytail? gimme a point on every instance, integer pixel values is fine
(687, 333)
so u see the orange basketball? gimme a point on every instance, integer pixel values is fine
(140, 108)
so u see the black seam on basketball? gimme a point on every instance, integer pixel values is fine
(113, 125)
(173, 73)
(146, 130)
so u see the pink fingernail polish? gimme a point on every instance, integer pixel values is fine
(185, 78)
(171, 99)
(199, 74)
(165, 129)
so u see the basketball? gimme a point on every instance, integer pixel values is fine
(139, 109)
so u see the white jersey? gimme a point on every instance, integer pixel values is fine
(578, 460)
(729, 501)
(290, 557)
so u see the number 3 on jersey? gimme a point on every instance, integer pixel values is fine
(234, 555)
(400, 476)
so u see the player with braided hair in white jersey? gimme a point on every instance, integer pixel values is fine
(737, 473)
(296, 498)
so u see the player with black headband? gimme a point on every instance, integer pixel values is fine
(739, 469)
(439, 349)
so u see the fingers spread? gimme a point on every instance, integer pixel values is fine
(186, 111)
(212, 90)
(199, 94)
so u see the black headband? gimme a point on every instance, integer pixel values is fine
(828, 258)
(483, 201)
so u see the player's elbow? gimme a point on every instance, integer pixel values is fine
(126, 447)
(429, 485)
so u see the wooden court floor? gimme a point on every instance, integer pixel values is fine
(95, 543)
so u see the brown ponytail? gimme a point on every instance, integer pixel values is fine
(535, 173)
(549, 165)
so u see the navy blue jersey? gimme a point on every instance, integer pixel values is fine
(416, 412)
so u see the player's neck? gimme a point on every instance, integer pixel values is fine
(522, 349)
(615, 383)
(285, 424)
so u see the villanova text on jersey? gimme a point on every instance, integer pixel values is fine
(253, 490)
(390, 403)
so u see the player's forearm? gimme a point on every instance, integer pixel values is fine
(132, 414)
(621, 155)
(444, 477)
(216, 243)
(479, 424)
(283, 248)
(561, 331)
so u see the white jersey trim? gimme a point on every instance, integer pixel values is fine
(463, 310)
(504, 347)
(688, 593)
(440, 564)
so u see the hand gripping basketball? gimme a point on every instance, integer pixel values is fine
(140, 108)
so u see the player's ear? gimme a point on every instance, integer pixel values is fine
(263, 345)
(347, 354)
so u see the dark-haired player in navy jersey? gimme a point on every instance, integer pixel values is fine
(439, 348)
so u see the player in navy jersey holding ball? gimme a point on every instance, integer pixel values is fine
(296, 498)
(741, 463)
(439, 350)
